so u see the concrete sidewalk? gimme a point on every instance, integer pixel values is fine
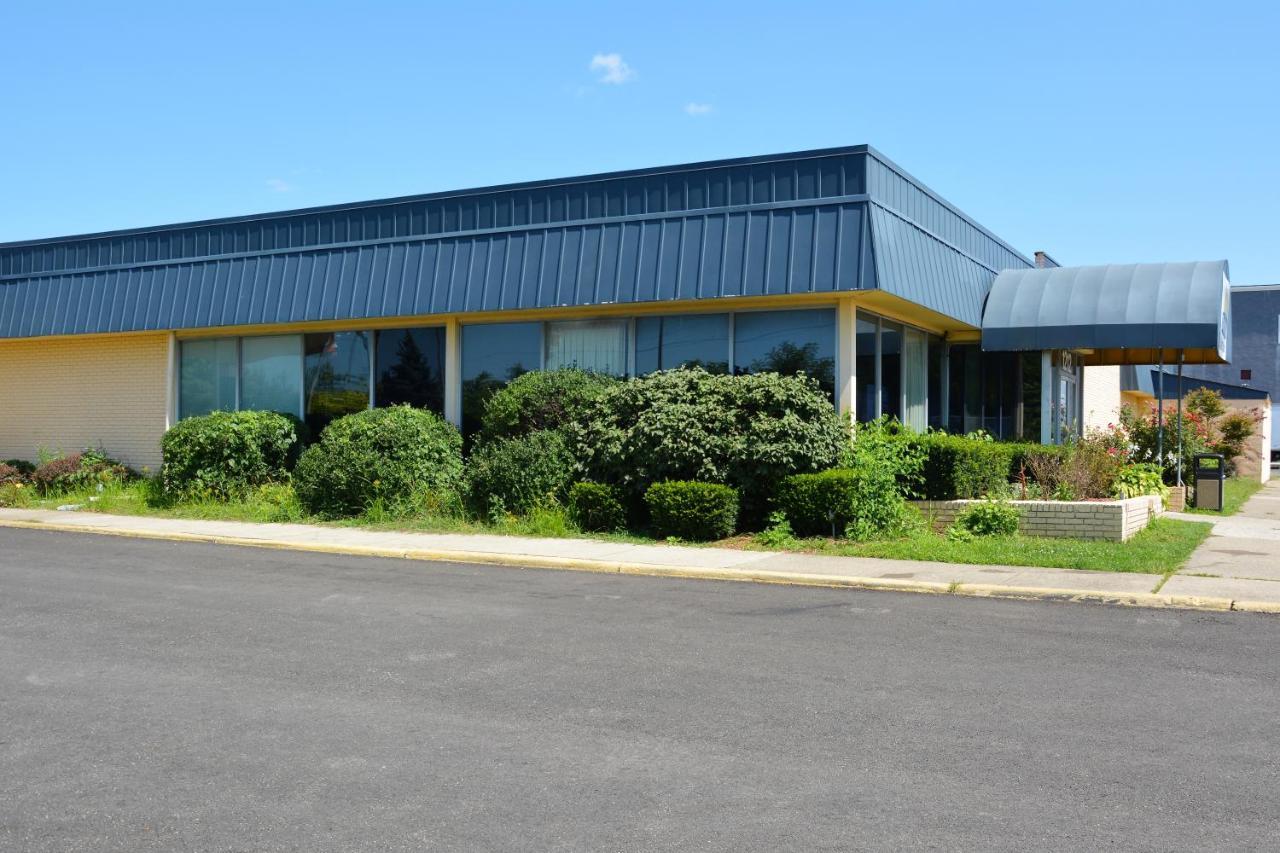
(1226, 592)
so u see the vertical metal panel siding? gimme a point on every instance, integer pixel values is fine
(913, 264)
(894, 190)
(701, 188)
(805, 249)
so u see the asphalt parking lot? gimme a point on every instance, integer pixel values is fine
(174, 696)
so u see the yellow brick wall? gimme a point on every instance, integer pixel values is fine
(1101, 393)
(66, 394)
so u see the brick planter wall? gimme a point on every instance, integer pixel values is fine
(1114, 520)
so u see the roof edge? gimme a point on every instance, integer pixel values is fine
(808, 154)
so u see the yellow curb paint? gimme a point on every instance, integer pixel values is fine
(684, 572)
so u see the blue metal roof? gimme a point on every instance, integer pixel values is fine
(782, 224)
(1121, 313)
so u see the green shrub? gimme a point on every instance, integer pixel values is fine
(777, 533)
(79, 471)
(389, 455)
(692, 510)
(861, 503)
(744, 431)
(223, 455)
(1140, 478)
(541, 400)
(989, 518)
(517, 474)
(594, 507)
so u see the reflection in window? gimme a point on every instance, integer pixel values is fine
(493, 355)
(599, 346)
(692, 340)
(409, 368)
(271, 374)
(787, 342)
(337, 376)
(207, 377)
(915, 369)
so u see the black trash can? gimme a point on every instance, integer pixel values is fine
(1210, 480)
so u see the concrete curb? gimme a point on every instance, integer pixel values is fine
(975, 590)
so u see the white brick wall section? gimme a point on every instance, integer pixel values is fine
(66, 394)
(1114, 520)
(1101, 392)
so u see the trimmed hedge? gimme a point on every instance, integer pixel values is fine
(386, 455)
(540, 400)
(594, 507)
(743, 431)
(958, 468)
(819, 504)
(518, 474)
(223, 455)
(692, 510)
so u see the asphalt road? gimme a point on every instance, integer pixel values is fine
(189, 697)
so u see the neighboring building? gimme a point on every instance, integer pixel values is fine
(834, 262)
(1144, 386)
(1255, 361)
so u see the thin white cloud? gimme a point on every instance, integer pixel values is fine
(694, 108)
(279, 185)
(612, 68)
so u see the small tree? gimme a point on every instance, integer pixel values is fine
(1206, 403)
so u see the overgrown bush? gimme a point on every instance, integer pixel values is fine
(24, 468)
(541, 400)
(225, 454)
(594, 507)
(79, 471)
(989, 518)
(514, 475)
(388, 455)
(10, 474)
(1142, 428)
(692, 510)
(744, 431)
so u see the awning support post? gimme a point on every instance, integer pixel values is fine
(1181, 355)
(1160, 412)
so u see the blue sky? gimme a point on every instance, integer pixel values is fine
(1105, 132)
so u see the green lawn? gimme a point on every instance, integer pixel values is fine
(1161, 548)
(1237, 491)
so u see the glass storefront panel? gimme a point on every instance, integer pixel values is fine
(866, 331)
(271, 374)
(336, 376)
(599, 346)
(409, 368)
(915, 382)
(891, 369)
(787, 342)
(207, 377)
(493, 355)
(693, 340)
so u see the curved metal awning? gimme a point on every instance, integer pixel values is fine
(1114, 314)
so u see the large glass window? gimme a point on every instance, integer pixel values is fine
(891, 369)
(493, 355)
(596, 345)
(336, 374)
(665, 343)
(787, 342)
(271, 374)
(207, 377)
(915, 369)
(409, 368)
(868, 391)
